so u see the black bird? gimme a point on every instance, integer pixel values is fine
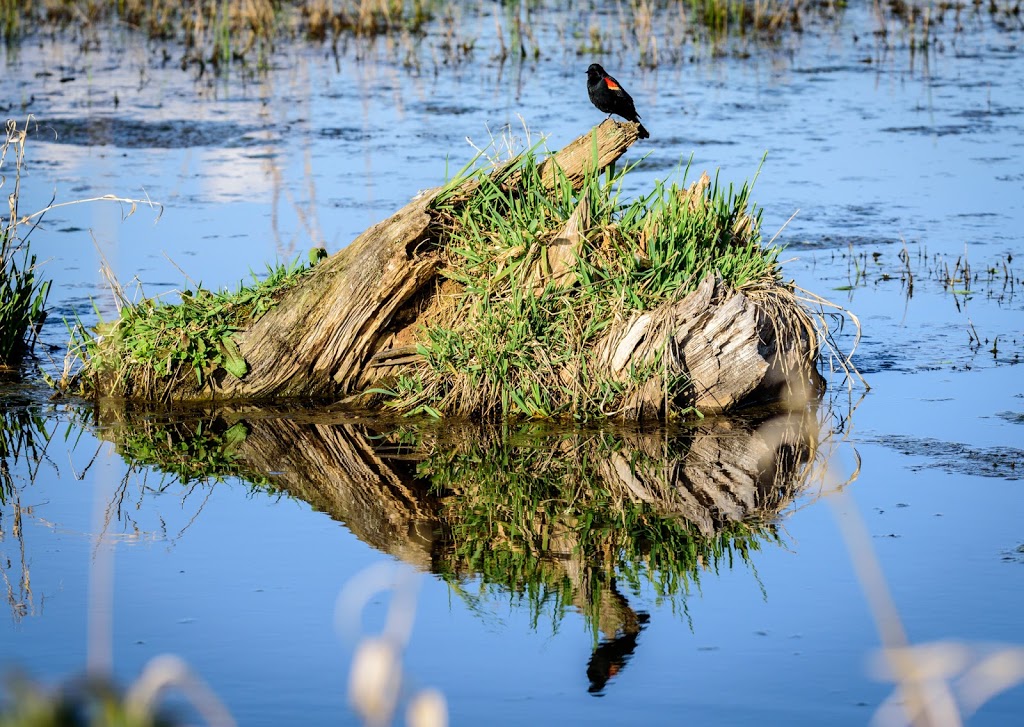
(606, 93)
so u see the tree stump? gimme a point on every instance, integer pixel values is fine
(352, 322)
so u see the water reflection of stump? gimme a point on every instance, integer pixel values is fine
(558, 518)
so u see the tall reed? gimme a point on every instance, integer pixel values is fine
(22, 292)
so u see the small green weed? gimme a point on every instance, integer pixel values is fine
(152, 340)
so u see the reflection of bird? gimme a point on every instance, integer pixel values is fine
(606, 93)
(621, 626)
(610, 657)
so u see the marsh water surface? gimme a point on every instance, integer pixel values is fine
(708, 573)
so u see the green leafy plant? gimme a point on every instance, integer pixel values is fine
(152, 340)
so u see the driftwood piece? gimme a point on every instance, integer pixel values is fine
(322, 334)
(723, 342)
(353, 321)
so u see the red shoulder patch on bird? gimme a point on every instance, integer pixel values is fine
(612, 84)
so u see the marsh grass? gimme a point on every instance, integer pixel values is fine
(723, 18)
(996, 279)
(215, 33)
(915, 270)
(537, 273)
(22, 293)
(327, 20)
(153, 341)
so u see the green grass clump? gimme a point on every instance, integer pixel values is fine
(154, 342)
(22, 293)
(22, 299)
(521, 331)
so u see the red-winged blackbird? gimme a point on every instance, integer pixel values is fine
(606, 93)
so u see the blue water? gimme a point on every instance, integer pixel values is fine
(244, 585)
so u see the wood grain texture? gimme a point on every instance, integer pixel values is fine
(320, 338)
(352, 321)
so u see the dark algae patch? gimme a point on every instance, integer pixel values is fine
(1002, 462)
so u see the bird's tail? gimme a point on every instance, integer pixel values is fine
(643, 133)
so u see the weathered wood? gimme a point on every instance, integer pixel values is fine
(559, 258)
(322, 335)
(354, 320)
(722, 341)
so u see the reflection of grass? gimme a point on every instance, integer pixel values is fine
(516, 515)
(195, 450)
(546, 515)
(553, 519)
(22, 436)
(672, 556)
